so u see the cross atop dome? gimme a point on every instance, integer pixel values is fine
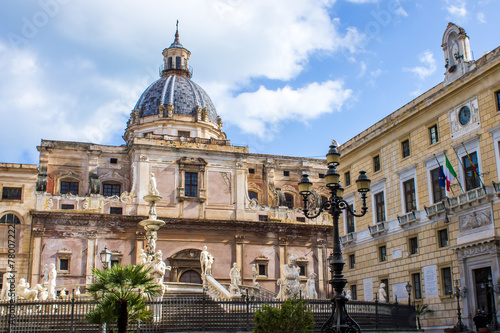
(176, 57)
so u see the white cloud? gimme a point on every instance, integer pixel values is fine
(362, 1)
(427, 58)
(262, 111)
(456, 9)
(86, 92)
(31, 100)
(480, 17)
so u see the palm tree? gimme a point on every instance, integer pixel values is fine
(121, 294)
(420, 311)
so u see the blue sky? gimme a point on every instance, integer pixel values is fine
(286, 76)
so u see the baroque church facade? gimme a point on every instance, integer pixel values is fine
(245, 207)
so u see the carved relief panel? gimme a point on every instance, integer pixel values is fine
(464, 119)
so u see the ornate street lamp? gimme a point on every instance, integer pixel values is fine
(493, 289)
(408, 290)
(458, 294)
(105, 257)
(339, 321)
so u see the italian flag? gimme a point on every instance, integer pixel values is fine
(449, 173)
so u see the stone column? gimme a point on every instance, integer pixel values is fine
(91, 255)
(37, 255)
(322, 273)
(240, 240)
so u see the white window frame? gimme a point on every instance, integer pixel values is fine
(404, 175)
(495, 132)
(350, 199)
(472, 146)
(376, 189)
(430, 165)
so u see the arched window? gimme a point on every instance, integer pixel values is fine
(10, 218)
(289, 200)
(253, 195)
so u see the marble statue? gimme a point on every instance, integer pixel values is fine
(255, 275)
(43, 294)
(142, 258)
(23, 290)
(235, 275)
(204, 260)
(289, 281)
(151, 242)
(152, 185)
(234, 290)
(4, 295)
(382, 295)
(45, 272)
(52, 282)
(159, 269)
(311, 287)
(348, 295)
(210, 264)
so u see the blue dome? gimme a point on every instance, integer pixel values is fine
(176, 90)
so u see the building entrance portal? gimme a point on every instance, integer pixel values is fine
(483, 299)
(186, 266)
(190, 277)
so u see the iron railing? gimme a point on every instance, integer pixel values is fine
(187, 313)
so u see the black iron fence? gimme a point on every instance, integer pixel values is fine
(190, 313)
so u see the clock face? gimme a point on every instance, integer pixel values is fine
(464, 115)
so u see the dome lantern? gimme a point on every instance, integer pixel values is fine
(176, 58)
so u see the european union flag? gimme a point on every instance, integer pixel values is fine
(442, 177)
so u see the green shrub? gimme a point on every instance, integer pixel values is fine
(293, 317)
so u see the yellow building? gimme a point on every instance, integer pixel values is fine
(415, 230)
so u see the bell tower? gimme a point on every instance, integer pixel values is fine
(457, 53)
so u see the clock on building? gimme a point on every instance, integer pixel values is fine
(464, 115)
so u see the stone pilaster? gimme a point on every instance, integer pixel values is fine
(240, 241)
(38, 233)
(322, 269)
(91, 255)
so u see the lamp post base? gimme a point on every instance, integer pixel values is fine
(340, 321)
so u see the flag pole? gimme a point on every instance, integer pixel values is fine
(472, 164)
(442, 173)
(458, 176)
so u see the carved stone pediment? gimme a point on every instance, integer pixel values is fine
(112, 175)
(262, 258)
(187, 254)
(195, 161)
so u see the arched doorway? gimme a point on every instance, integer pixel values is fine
(190, 276)
(186, 266)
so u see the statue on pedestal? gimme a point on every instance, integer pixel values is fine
(311, 287)
(235, 275)
(152, 185)
(382, 295)
(289, 281)
(4, 295)
(210, 264)
(23, 290)
(255, 275)
(204, 260)
(52, 282)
